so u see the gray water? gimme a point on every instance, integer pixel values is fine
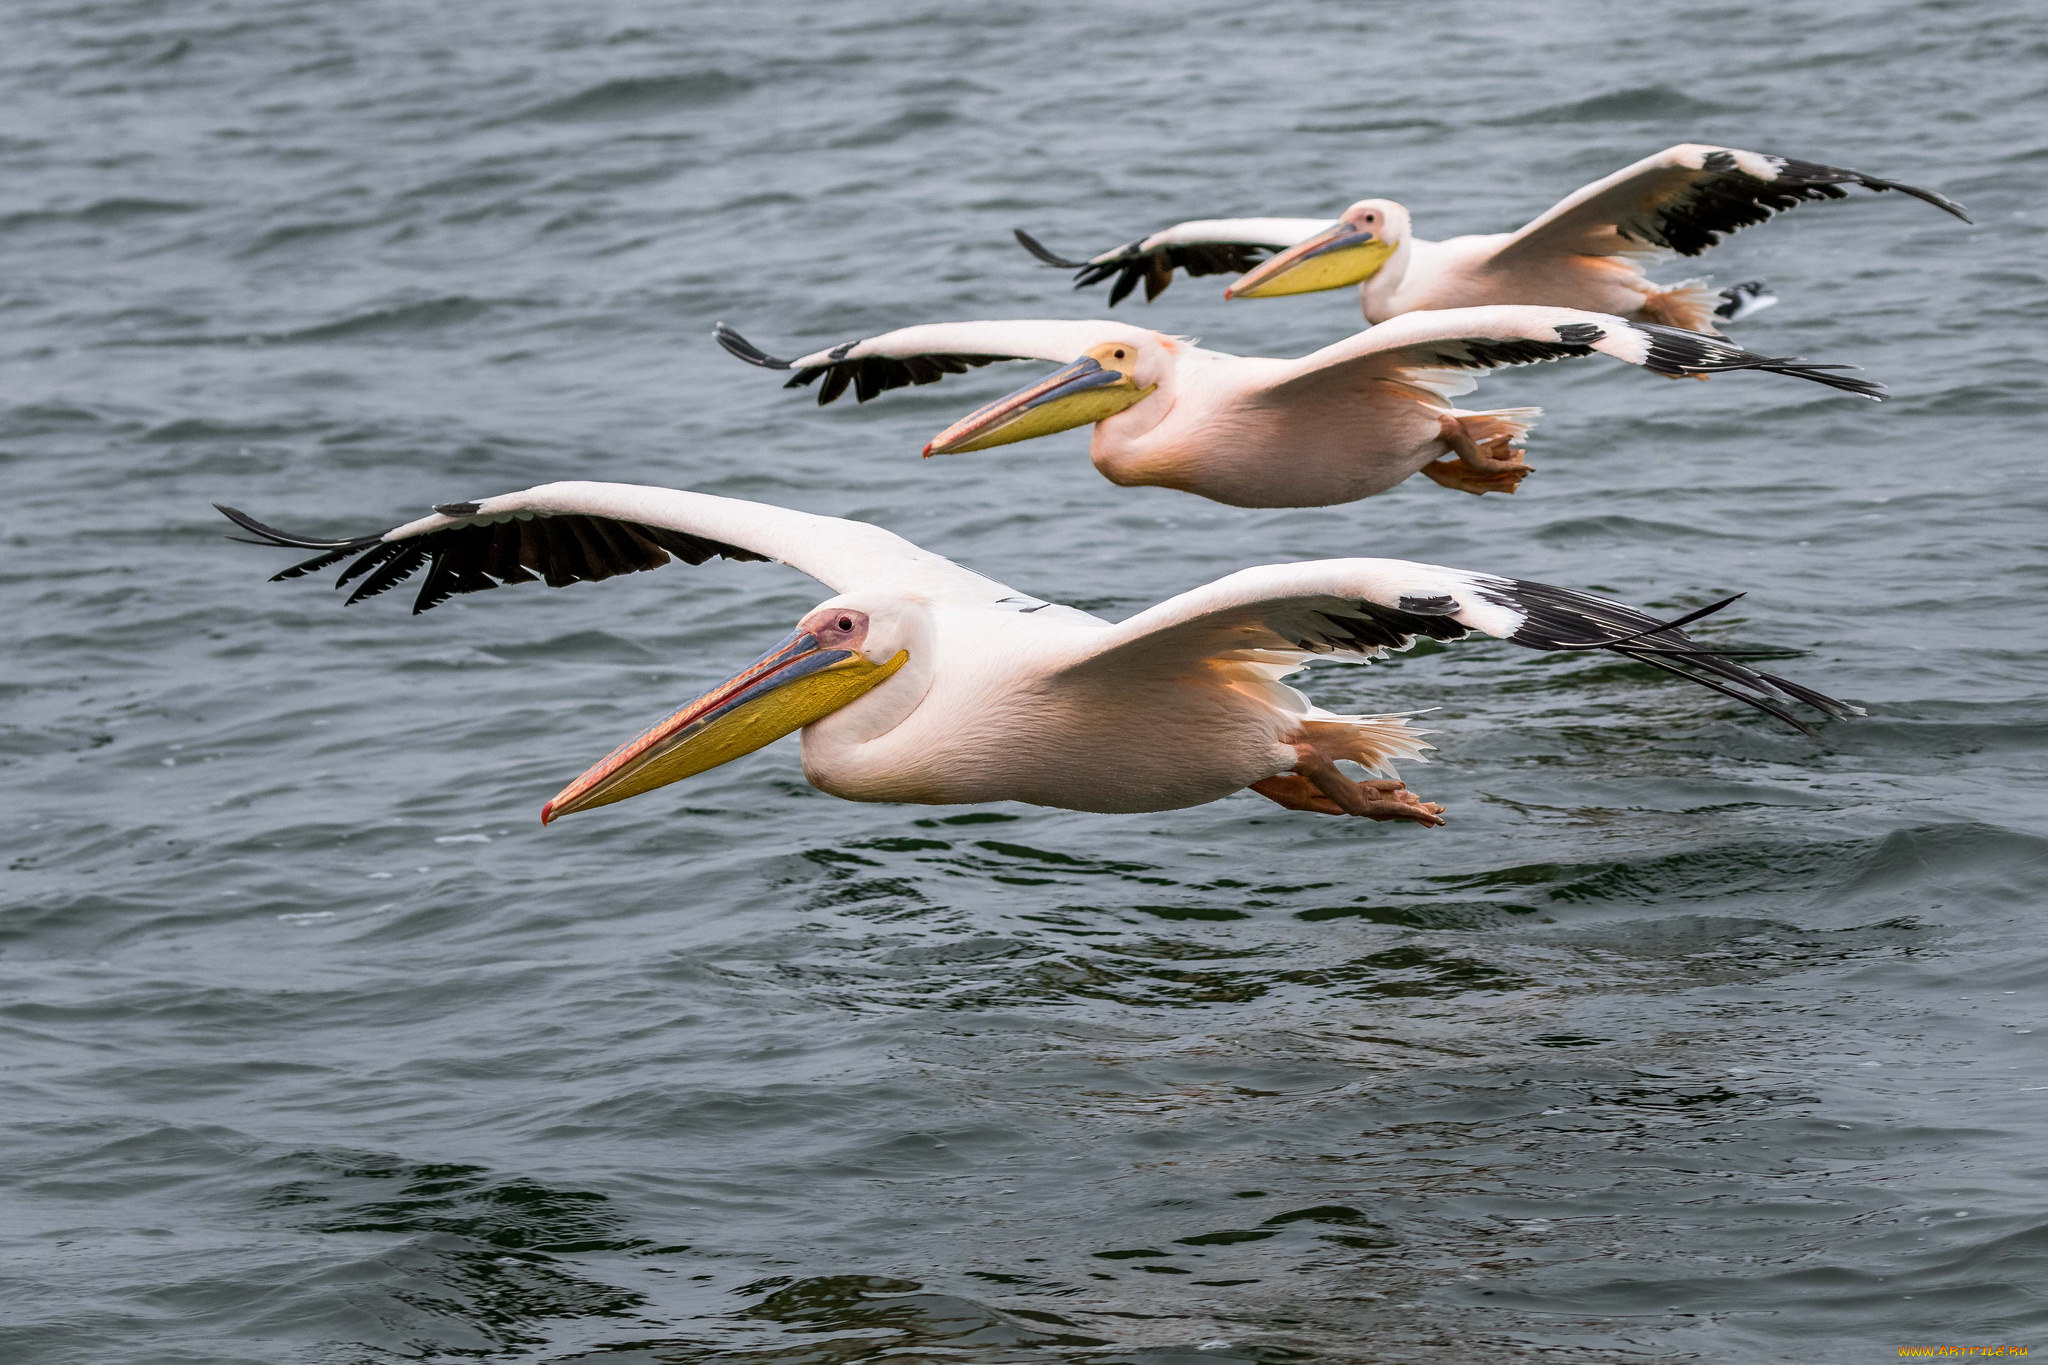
(1689, 1039)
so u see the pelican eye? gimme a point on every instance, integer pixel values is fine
(1119, 355)
(846, 623)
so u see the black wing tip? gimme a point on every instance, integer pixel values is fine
(1676, 352)
(1940, 201)
(1831, 376)
(1828, 375)
(1831, 707)
(469, 554)
(1731, 198)
(1045, 253)
(738, 346)
(1804, 178)
(1865, 388)
(330, 552)
(271, 535)
(1559, 619)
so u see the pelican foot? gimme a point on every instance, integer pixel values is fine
(1401, 804)
(1492, 465)
(1453, 472)
(1496, 452)
(1317, 785)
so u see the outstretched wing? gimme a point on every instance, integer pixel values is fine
(563, 533)
(1206, 246)
(1686, 199)
(927, 353)
(1443, 348)
(1288, 613)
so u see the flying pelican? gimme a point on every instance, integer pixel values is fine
(1586, 252)
(1345, 422)
(921, 681)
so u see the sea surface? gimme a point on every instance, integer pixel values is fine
(1689, 1039)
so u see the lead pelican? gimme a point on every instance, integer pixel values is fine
(1345, 422)
(1586, 252)
(921, 681)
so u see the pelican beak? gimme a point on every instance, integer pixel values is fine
(1083, 392)
(793, 684)
(1338, 255)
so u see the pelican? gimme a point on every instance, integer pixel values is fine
(921, 681)
(1345, 422)
(1586, 252)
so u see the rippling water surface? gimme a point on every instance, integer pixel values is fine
(1689, 1039)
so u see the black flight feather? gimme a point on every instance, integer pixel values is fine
(1130, 265)
(473, 556)
(1561, 619)
(866, 375)
(737, 345)
(1730, 199)
(1558, 619)
(1039, 249)
(1676, 352)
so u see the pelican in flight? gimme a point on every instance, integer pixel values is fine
(1345, 422)
(1586, 252)
(921, 681)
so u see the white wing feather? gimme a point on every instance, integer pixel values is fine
(1410, 348)
(1288, 613)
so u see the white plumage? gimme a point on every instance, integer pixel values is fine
(1345, 422)
(974, 692)
(1587, 251)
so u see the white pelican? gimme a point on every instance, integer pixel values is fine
(1586, 252)
(920, 681)
(1345, 422)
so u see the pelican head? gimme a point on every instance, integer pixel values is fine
(1349, 251)
(1104, 381)
(837, 654)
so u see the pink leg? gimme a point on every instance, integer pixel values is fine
(1296, 793)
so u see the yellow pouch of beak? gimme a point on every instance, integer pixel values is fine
(1325, 270)
(1062, 414)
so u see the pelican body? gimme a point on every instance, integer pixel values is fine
(920, 681)
(1345, 422)
(1587, 252)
